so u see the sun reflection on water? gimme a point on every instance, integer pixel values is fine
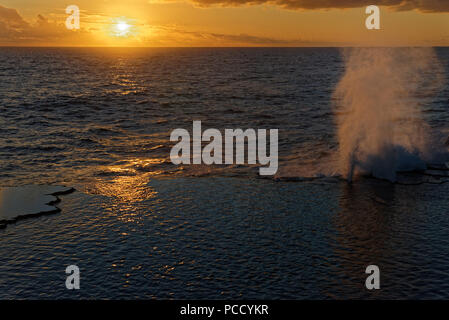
(127, 182)
(126, 188)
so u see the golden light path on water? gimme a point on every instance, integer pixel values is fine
(129, 181)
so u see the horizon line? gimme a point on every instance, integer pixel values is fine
(221, 47)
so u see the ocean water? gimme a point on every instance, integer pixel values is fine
(139, 227)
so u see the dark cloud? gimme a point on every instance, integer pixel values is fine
(400, 5)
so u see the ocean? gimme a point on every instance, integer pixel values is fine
(138, 226)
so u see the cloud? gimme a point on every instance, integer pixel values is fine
(11, 18)
(169, 35)
(399, 5)
(224, 38)
(11, 23)
(256, 40)
(14, 30)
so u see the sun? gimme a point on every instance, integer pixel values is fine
(121, 27)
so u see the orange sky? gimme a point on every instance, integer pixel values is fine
(225, 23)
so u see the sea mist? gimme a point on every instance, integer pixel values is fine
(381, 128)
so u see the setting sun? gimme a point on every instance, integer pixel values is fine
(121, 28)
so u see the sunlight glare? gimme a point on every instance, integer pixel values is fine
(122, 26)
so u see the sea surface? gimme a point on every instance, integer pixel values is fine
(138, 226)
